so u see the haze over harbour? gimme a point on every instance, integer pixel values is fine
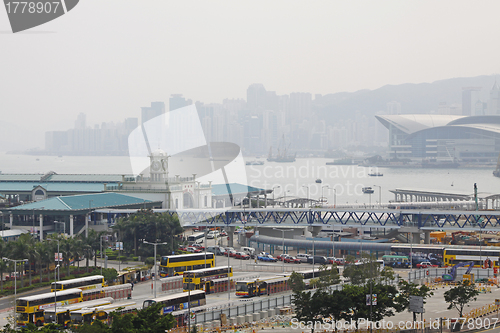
(348, 180)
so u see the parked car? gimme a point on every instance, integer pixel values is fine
(340, 261)
(223, 233)
(302, 257)
(198, 246)
(183, 248)
(282, 256)
(213, 234)
(317, 260)
(292, 260)
(216, 249)
(267, 257)
(193, 249)
(242, 255)
(331, 260)
(425, 264)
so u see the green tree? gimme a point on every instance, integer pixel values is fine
(360, 272)
(339, 303)
(328, 276)
(386, 305)
(296, 282)
(110, 274)
(311, 308)
(460, 296)
(147, 320)
(407, 289)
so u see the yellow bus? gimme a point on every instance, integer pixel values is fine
(63, 312)
(203, 279)
(179, 301)
(30, 309)
(177, 265)
(89, 315)
(482, 257)
(84, 283)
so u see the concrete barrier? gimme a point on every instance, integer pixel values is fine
(271, 312)
(248, 318)
(233, 321)
(215, 323)
(263, 314)
(240, 319)
(256, 316)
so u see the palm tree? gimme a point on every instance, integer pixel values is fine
(19, 251)
(44, 257)
(3, 253)
(77, 250)
(31, 253)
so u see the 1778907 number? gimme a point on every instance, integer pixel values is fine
(31, 7)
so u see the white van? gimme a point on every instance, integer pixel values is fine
(213, 234)
(302, 257)
(248, 250)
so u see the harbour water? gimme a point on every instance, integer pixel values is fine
(297, 179)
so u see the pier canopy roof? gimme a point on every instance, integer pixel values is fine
(237, 189)
(82, 204)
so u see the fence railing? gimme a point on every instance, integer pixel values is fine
(432, 273)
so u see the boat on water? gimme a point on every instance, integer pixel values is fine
(367, 190)
(342, 161)
(436, 164)
(283, 156)
(254, 163)
(375, 174)
(319, 181)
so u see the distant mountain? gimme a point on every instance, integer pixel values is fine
(414, 98)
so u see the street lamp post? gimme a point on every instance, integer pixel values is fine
(55, 291)
(379, 195)
(307, 187)
(57, 255)
(101, 252)
(273, 194)
(155, 269)
(15, 286)
(322, 187)
(283, 246)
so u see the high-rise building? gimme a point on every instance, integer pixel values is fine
(176, 101)
(494, 102)
(470, 96)
(150, 112)
(256, 97)
(81, 121)
(393, 108)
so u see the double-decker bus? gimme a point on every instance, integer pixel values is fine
(63, 312)
(196, 238)
(203, 279)
(178, 264)
(257, 287)
(84, 283)
(487, 256)
(179, 301)
(30, 309)
(89, 315)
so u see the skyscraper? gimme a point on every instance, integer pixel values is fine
(148, 113)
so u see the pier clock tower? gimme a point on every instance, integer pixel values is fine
(158, 166)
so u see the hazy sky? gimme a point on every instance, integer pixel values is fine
(108, 58)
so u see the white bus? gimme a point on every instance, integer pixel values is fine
(196, 238)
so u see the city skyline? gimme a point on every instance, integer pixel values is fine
(299, 122)
(108, 58)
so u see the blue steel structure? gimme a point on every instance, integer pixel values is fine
(388, 218)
